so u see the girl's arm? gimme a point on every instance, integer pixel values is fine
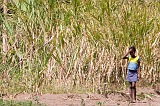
(125, 55)
(139, 73)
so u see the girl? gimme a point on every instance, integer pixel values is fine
(133, 71)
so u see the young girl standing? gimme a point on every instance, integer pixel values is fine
(133, 71)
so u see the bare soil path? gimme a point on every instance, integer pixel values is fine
(145, 97)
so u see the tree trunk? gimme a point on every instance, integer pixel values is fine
(4, 35)
(5, 73)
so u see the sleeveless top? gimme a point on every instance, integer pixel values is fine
(133, 63)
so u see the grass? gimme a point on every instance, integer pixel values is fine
(67, 45)
(14, 103)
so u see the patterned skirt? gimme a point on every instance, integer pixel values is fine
(132, 76)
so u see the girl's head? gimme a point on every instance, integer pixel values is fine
(132, 51)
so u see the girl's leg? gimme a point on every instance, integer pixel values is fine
(134, 91)
(130, 92)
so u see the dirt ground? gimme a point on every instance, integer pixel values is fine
(145, 97)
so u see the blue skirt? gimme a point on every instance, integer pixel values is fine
(132, 76)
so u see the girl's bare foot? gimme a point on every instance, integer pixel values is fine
(133, 101)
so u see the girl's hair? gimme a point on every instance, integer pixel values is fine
(133, 48)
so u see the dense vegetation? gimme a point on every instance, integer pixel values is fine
(76, 45)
